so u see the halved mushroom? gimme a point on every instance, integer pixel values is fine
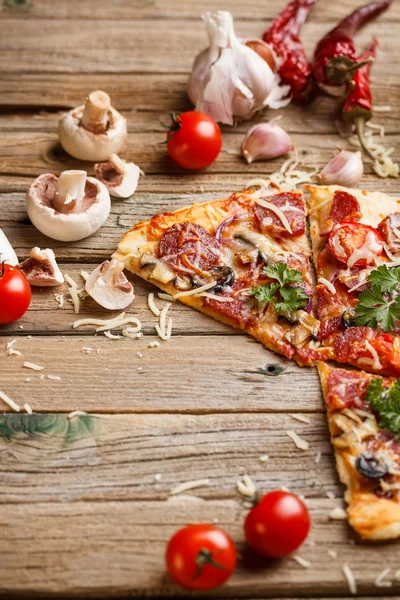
(93, 131)
(7, 253)
(109, 287)
(68, 208)
(41, 268)
(119, 177)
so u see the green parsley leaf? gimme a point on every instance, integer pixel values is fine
(387, 279)
(386, 402)
(293, 299)
(265, 293)
(284, 275)
(374, 311)
(284, 296)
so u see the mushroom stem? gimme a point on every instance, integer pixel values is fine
(113, 271)
(70, 191)
(118, 164)
(95, 114)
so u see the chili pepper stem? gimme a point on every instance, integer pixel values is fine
(359, 123)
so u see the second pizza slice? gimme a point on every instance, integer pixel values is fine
(243, 260)
(356, 246)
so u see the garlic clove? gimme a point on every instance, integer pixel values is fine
(265, 141)
(346, 168)
(264, 50)
(7, 252)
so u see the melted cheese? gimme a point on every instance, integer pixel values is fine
(196, 291)
(367, 251)
(279, 213)
(374, 362)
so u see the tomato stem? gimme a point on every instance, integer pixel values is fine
(205, 557)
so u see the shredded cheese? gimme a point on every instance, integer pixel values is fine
(154, 344)
(111, 336)
(328, 284)
(150, 301)
(10, 402)
(167, 297)
(246, 486)
(301, 561)
(301, 418)
(318, 457)
(338, 514)
(298, 441)
(189, 485)
(104, 325)
(60, 300)
(194, 292)
(76, 413)
(215, 297)
(73, 292)
(84, 275)
(374, 362)
(54, 377)
(10, 344)
(279, 213)
(29, 365)
(263, 458)
(14, 352)
(379, 581)
(332, 554)
(28, 408)
(383, 165)
(351, 580)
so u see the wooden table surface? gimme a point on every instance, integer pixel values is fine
(82, 513)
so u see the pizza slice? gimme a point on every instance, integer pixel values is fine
(244, 260)
(356, 248)
(364, 422)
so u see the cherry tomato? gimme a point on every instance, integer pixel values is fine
(200, 557)
(277, 525)
(355, 244)
(15, 294)
(193, 140)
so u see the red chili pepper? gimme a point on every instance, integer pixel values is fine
(357, 108)
(283, 37)
(335, 58)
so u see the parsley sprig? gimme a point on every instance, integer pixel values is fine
(281, 293)
(379, 306)
(386, 402)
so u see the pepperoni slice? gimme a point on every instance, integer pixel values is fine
(346, 389)
(329, 326)
(188, 246)
(350, 346)
(292, 206)
(389, 229)
(345, 207)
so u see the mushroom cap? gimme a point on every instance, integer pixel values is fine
(7, 252)
(67, 227)
(41, 268)
(119, 185)
(85, 145)
(109, 287)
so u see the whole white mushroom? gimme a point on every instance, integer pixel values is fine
(93, 130)
(68, 208)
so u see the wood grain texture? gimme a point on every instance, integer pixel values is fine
(193, 374)
(115, 548)
(172, 9)
(116, 457)
(139, 46)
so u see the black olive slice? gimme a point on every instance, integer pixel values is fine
(371, 466)
(225, 277)
(349, 318)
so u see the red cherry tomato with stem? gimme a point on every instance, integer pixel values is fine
(277, 525)
(194, 140)
(355, 244)
(200, 557)
(15, 294)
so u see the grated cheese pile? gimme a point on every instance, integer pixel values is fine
(383, 165)
(287, 178)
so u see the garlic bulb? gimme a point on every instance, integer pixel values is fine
(229, 80)
(346, 168)
(266, 140)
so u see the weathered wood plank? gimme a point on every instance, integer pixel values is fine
(117, 549)
(116, 457)
(94, 10)
(33, 153)
(140, 46)
(160, 93)
(186, 374)
(55, 320)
